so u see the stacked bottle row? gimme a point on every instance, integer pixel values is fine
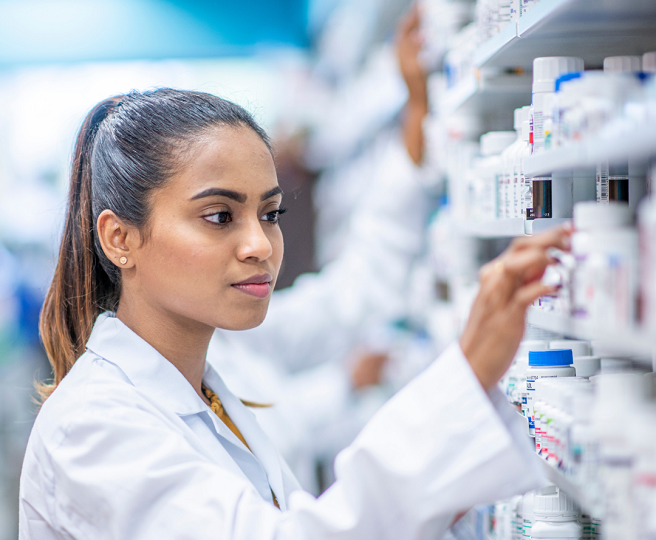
(592, 418)
(568, 106)
(545, 514)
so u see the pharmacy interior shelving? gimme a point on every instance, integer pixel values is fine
(485, 95)
(504, 228)
(590, 29)
(619, 144)
(628, 342)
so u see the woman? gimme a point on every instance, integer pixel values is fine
(172, 231)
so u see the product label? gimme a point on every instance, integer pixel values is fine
(611, 188)
(527, 195)
(541, 198)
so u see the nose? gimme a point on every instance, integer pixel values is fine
(253, 242)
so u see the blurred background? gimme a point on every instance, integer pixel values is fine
(323, 78)
(293, 64)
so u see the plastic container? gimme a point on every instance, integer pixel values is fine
(509, 206)
(649, 62)
(545, 72)
(587, 366)
(617, 399)
(622, 64)
(605, 278)
(525, 183)
(551, 363)
(489, 172)
(556, 517)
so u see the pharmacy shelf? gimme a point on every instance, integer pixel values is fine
(502, 228)
(591, 29)
(565, 484)
(615, 144)
(630, 342)
(487, 96)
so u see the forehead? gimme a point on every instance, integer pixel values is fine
(233, 158)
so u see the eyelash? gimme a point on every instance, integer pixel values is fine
(275, 213)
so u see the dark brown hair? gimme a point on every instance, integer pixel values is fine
(128, 146)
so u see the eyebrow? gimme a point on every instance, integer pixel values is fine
(271, 193)
(213, 192)
(234, 195)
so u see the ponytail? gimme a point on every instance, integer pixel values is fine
(128, 146)
(80, 289)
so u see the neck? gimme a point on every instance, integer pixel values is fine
(180, 340)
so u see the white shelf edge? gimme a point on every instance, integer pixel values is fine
(495, 44)
(539, 14)
(506, 228)
(630, 342)
(637, 143)
(565, 484)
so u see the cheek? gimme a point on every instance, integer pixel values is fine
(182, 259)
(277, 249)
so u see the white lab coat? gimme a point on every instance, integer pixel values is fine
(125, 449)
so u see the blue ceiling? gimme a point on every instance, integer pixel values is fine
(44, 31)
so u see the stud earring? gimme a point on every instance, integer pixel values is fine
(123, 260)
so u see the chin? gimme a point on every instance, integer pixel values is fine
(243, 320)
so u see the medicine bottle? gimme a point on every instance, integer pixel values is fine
(556, 517)
(508, 208)
(489, 172)
(605, 277)
(551, 363)
(545, 72)
(617, 400)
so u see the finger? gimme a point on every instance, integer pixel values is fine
(527, 265)
(410, 21)
(558, 237)
(528, 294)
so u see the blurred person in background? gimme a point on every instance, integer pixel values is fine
(324, 319)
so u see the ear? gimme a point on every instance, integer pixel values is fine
(118, 239)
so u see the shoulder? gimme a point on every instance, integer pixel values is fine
(94, 396)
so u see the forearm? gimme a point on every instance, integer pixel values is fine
(413, 133)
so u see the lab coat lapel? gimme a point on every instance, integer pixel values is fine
(261, 446)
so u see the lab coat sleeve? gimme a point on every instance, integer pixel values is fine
(321, 316)
(441, 445)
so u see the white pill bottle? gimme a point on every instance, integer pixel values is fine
(556, 517)
(541, 364)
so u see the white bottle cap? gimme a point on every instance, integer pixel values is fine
(553, 503)
(579, 348)
(517, 119)
(649, 62)
(592, 215)
(617, 390)
(495, 142)
(622, 64)
(587, 366)
(530, 345)
(547, 69)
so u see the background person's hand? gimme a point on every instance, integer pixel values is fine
(408, 47)
(508, 286)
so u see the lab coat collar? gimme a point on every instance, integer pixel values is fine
(147, 369)
(153, 374)
(257, 440)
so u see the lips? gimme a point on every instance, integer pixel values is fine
(258, 286)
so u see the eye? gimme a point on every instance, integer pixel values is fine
(218, 217)
(273, 216)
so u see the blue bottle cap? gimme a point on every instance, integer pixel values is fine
(552, 357)
(566, 77)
